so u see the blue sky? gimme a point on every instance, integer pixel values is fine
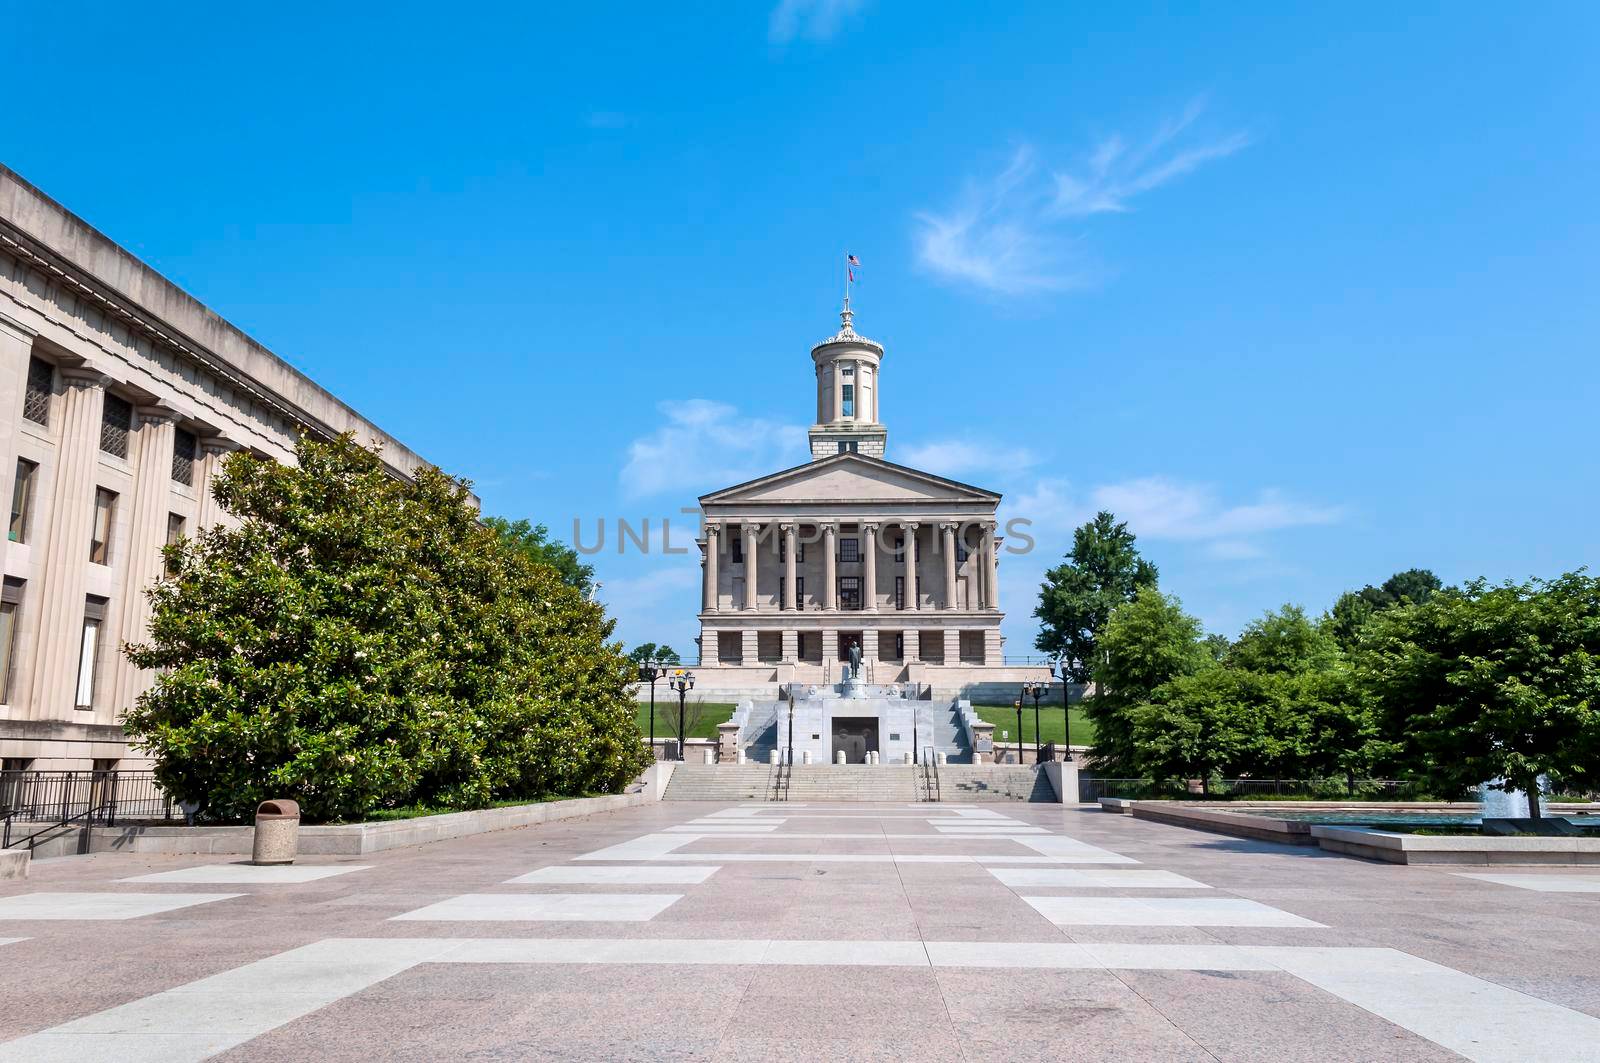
(1308, 294)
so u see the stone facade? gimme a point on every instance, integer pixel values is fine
(119, 396)
(850, 548)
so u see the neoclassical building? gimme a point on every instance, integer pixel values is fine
(851, 548)
(119, 396)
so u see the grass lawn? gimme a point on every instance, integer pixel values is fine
(711, 714)
(1004, 718)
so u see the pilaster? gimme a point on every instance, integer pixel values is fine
(213, 451)
(152, 478)
(67, 546)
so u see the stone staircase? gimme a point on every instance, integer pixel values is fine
(994, 782)
(733, 783)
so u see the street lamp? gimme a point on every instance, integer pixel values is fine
(1036, 690)
(1058, 670)
(650, 671)
(682, 682)
(1018, 705)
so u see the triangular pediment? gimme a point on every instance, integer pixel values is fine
(852, 478)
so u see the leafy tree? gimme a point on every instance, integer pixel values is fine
(1353, 609)
(535, 541)
(1493, 682)
(1102, 571)
(359, 642)
(1284, 642)
(1147, 642)
(649, 651)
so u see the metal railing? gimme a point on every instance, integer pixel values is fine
(930, 775)
(32, 802)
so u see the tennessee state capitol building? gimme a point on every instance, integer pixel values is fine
(851, 548)
(119, 396)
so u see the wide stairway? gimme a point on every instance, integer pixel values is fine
(854, 782)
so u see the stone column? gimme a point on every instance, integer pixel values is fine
(750, 566)
(152, 484)
(708, 592)
(869, 574)
(66, 550)
(947, 542)
(789, 601)
(830, 570)
(212, 452)
(986, 569)
(911, 564)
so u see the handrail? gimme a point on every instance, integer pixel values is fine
(930, 775)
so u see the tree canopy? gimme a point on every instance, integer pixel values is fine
(1492, 682)
(359, 642)
(649, 651)
(535, 541)
(1102, 571)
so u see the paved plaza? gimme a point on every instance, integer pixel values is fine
(705, 931)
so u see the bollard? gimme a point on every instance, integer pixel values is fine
(277, 833)
(772, 757)
(709, 758)
(838, 758)
(805, 756)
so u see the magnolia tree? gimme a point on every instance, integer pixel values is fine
(357, 642)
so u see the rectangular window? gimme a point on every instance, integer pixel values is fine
(94, 613)
(184, 446)
(22, 499)
(36, 402)
(849, 549)
(899, 592)
(105, 508)
(849, 400)
(849, 592)
(175, 526)
(116, 422)
(10, 603)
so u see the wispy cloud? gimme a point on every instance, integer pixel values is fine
(1160, 508)
(1006, 232)
(962, 457)
(815, 20)
(702, 445)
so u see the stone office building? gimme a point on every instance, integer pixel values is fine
(852, 549)
(119, 396)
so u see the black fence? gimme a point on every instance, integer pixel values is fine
(88, 798)
(1330, 789)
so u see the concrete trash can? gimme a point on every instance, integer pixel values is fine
(277, 832)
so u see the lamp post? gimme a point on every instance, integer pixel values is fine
(682, 682)
(1058, 670)
(1018, 706)
(650, 671)
(1036, 690)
